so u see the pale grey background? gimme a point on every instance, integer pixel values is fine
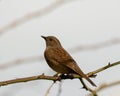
(76, 23)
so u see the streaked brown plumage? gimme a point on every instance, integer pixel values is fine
(60, 60)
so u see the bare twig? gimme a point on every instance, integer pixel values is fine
(48, 91)
(104, 86)
(76, 49)
(53, 78)
(19, 80)
(103, 68)
(54, 5)
(88, 88)
(60, 88)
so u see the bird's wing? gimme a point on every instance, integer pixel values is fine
(72, 65)
(64, 58)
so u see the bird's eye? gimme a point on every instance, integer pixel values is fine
(51, 39)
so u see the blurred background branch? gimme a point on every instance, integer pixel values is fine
(51, 7)
(60, 88)
(107, 43)
(30, 59)
(105, 86)
(48, 90)
(82, 18)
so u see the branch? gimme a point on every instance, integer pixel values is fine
(53, 78)
(26, 79)
(20, 61)
(48, 91)
(103, 68)
(104, 86)
(33, 15)
(60, 89)
(76, 49)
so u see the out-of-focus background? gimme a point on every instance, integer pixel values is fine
(88, 29)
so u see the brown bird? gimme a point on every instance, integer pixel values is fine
(60, 60)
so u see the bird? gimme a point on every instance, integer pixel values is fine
(60, 60)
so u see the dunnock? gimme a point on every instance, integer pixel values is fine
(60, 60)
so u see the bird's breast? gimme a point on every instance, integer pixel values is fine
(57, 58)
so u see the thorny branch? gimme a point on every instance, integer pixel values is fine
(103, 68)
(54, 78)
(76, 49)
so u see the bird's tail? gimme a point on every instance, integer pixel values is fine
(89, 80)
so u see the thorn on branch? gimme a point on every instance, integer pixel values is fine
(43, 74)
(109, 64)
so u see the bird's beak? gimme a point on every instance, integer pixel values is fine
(43, 37)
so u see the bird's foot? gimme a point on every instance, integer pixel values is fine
(57, 75)
(67, 76)
(63, 76)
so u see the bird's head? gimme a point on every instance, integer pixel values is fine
(51, 41)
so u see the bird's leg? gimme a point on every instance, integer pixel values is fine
(87, 88)
(84, 85)
(57, 75)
